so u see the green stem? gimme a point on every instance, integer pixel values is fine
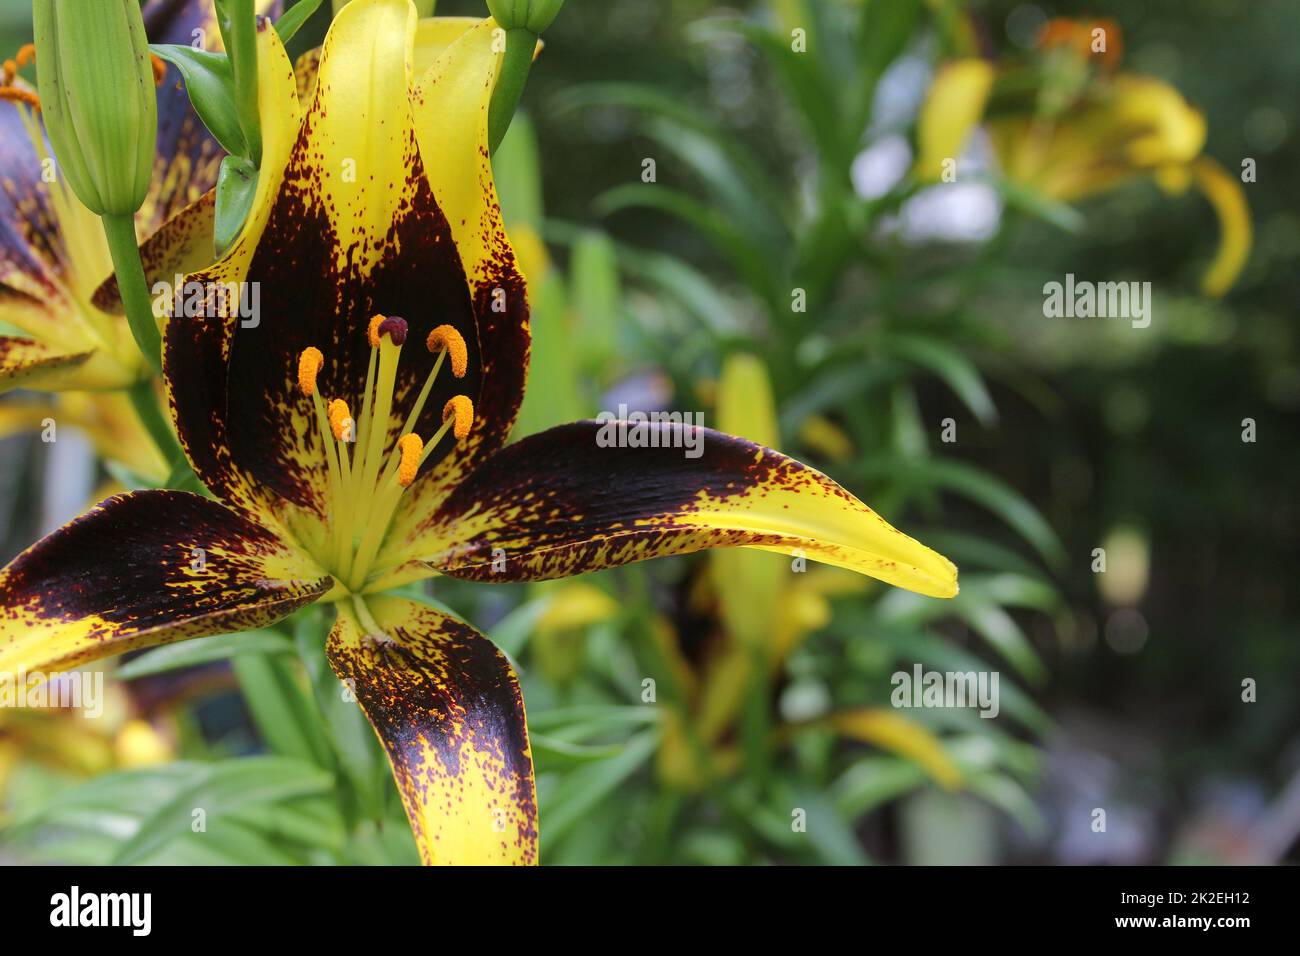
(240, 35)
(520, 44)
(131, 284)
(151, 416)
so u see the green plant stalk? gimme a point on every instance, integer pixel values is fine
(119, 230)
(142, 400)
(240, 34)
(518, 60)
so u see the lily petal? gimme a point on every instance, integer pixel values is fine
(144, 569)
(451, 107)
(1235, 234)
(31, 254)
(26, 363)
(557, 503)
(956, 101)
(447, 708)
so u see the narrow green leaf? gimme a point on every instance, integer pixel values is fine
(225, 788)
(172, 657)
(293, 19)
(210, 84)
(286, 717)
(950, 365)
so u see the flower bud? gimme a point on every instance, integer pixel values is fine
(96, 85)
(531, 15)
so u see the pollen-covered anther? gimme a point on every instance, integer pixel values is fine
(410, 447)
(340, 420)
(309, 366)
(25, 55)
(159, 69)
(372, 330)
(446, 338)
(462, 409)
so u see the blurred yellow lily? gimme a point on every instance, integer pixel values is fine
(72, 744)
(106, 419)
(762, 609)
(56, 334)
(1069, 131)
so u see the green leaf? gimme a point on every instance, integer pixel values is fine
(286, 717)
(236, 187)
(294, 18)
(171, 657)
(516, 168)
(749, 260)
(584, 788)
(980, 487)
(225, 788)
(354, 743)
(210, 83)
(597, 297)
(950, 365)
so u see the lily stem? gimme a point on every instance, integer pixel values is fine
(516, 63)
(240, 36)
(119, 230)
(155, 423)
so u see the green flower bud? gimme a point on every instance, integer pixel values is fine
(531, 15)
(96, 84)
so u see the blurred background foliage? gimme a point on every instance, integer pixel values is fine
(791, 273)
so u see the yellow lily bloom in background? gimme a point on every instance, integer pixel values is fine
(106, 419)
(1116, 127)
(54, 333)
(389, 286)
(763, 610)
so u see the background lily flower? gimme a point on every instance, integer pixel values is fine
(1069, 134)
(377, 201)
(54, 333)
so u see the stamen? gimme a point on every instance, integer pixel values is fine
(159, 69)
(410, 447)
(372, 331)
(309, 366)
(446, 339)
(462, 409)
(340, 417)
(25, 55)
(15, 95)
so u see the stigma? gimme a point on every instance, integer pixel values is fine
(368, 474)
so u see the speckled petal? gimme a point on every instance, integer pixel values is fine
(561, 502)
(26, 363)
(143, 569)
(447, 708)
(349, 228)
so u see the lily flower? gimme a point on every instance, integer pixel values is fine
(355, 441)
(1070, 131)
(53, 255)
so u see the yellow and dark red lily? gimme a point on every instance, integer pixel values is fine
(355, 439)
(1071, 125)
(53, 256)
